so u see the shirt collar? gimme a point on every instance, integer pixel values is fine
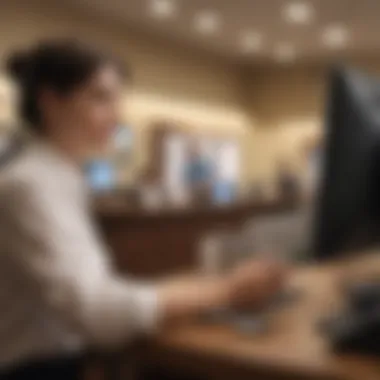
(48, 152)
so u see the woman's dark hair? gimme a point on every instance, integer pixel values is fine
(59, 65)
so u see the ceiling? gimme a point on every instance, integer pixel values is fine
(271, 36)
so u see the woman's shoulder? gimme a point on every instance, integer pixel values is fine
(25, 172)
(24, 189)
(39, 171)
(16, 181)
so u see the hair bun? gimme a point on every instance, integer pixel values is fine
(18, 65)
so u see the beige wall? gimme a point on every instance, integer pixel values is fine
(272, 110)
(288, 107)
(288, 104)
(198, 91)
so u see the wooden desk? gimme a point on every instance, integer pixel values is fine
(154, 243)
(293, 349)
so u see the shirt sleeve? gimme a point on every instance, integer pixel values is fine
(60, 254)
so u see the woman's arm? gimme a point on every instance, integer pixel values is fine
(61, 258)
(251, 283)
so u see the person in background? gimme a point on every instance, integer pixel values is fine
(59, 295)
(313, 169)
(288, 186)
(151, 195)
(295, 228)
(199, 174)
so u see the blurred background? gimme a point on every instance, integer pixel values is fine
(246, 75)
(222, 125)
(218, 147)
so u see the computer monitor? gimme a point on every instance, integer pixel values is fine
(348, 202)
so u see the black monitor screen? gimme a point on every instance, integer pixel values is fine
(347, 212)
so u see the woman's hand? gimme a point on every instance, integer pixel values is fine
(255, 282)
(251, 283)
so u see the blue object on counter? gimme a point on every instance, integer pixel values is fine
(101, 175)
(224, 192)
(198, 171)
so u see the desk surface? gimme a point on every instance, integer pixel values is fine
(292, 347)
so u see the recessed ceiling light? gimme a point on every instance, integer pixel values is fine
(298, 12)
(207, 22)
(251, 42)
(285, 53)
(335, 36)
(162, 8)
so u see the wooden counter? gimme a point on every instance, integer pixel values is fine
(153, 243)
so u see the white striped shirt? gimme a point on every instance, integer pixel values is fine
(58, 292)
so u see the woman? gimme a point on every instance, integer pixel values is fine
(58, 293)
